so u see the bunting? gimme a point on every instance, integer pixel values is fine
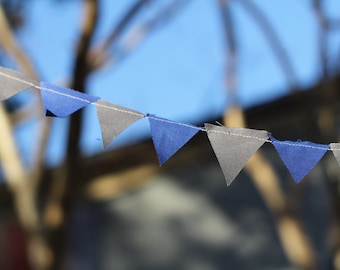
(232, 146)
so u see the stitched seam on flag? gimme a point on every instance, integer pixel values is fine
(119, 110)
(240, 135)
(17, 79)
(177, 123)
(303, 145)
(269, 141)
(65, 95)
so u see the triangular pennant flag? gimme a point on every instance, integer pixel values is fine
(169, 136)
(335, 147)
(114, 119)
(62, 102)
(299, 157)
(13, 82)
(234, 146)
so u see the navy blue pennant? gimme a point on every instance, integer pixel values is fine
(299, 157)
(62, 102)
(169, 136)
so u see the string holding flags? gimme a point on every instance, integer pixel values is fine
(233, 147)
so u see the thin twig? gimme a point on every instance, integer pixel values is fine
(124, 22)
(333, 24)
(279, 51)
(322, 35)
(120, 48)
(231, 55)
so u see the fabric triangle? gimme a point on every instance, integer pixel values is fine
(13, 82)
(234, 146)
(299, 157)
(114, 119)
(335, 147)
(169, 136)
(62, 102)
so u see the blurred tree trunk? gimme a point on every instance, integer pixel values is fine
(22, 182)
(294, 241)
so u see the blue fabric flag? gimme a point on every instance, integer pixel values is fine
(62, 102)
(168, 136)
(299, 157)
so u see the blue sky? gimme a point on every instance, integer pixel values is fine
(177, 72)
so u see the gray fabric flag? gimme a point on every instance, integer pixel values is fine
(13, 82)
(234, 146)
(114, 119)
(335, 147)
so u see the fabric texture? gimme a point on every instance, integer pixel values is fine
(299, 157)
(62, 102)
(234, 146)
(114, 119)
(13, 82)
(335, 147)
(169, 136)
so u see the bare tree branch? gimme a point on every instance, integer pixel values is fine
(322, 35)
(21, 182)
(99, 55)
(273, 39)
(81, 72)
(80, 75)
(231, 55)
(134, 37)
(124, 22)
(13, 49)
(262, 174)
(333, 24)
(326, 120)
(67, 183)
(10, 45)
